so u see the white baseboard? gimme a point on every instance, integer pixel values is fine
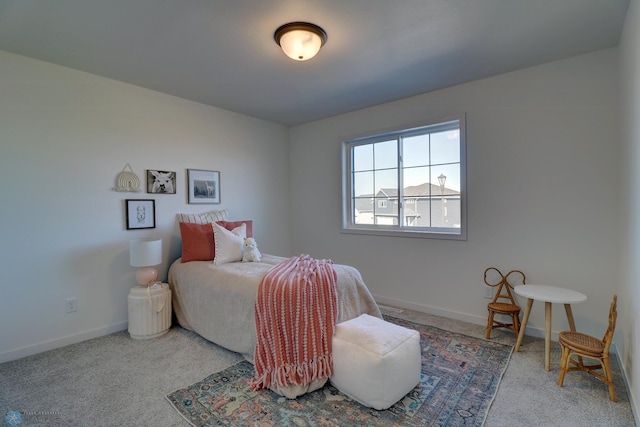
(465, 317)
(632, 401)
(430, 310)
(60, 342)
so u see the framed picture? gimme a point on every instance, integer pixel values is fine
(161, 182)
(141, 213)
(204, 186)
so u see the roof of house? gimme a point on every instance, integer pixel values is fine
(422, 190)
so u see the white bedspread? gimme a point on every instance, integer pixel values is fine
(217, 301)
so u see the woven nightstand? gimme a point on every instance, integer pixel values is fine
(149, 311)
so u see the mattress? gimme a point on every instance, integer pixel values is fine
(217, 301)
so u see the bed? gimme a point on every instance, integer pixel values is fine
(217, 301)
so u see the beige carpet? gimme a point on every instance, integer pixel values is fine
(116, 381)
(529, 396)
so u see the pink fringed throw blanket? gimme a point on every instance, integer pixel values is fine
(296, 311)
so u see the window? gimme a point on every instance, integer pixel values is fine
(409, 182)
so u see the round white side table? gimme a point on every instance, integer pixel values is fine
(548, 294)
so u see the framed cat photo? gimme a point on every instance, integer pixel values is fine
(140, 213)
(204, 186)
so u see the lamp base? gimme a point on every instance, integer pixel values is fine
(146, 276)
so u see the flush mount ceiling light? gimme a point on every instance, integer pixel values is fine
(300, 40)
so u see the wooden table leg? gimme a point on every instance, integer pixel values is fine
(547, 335)
(572, 324)
(523, 325)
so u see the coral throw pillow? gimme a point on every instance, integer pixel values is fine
(230, 225)
(197, 242)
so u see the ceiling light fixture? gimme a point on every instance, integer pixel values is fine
(300, 40)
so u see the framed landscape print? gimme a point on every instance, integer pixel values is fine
(141, 213)
(204, 186)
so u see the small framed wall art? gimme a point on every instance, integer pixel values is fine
(204, 186)
(161, 182)
(141, 213)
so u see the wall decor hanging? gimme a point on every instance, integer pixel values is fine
(141, 213)
(161, 182)
(204, 186)
(127, 180)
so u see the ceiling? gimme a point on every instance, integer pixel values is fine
(222, 52)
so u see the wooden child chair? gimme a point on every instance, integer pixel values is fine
(583, 345)
(503, 302)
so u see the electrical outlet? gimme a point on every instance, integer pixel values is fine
(71, 305)
(488, 292)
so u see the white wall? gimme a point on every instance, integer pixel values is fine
(629, 298)
(64, 137)
(543, 162)
(542, 149)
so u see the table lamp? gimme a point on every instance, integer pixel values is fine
(146, 254)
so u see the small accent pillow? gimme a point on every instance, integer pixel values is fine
(204, 218)
(230, 225)
(197, 242)
(228, 244)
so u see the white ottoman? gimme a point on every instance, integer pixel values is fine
(375, 362)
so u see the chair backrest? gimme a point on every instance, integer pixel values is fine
(505, 283)
(613, 315)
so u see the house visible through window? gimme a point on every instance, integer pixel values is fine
(408, 182)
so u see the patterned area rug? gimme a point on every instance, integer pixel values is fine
(460, 376)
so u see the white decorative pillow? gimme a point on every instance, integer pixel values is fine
(204, 218)
(228, 243)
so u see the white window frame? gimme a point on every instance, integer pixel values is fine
(348, 226)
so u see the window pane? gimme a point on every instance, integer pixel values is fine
(451, 175)
(363, 157)
(417, 212)
(387, 181)
(446, 207)
(363, 210)
(445, 147)
(386, 154)
(386, 211)
(363, 184)
(416, 181)
(415, 150)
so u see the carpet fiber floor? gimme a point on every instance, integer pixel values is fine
(460, 376)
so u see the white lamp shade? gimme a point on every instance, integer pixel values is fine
(300, 44)
(145, 252)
